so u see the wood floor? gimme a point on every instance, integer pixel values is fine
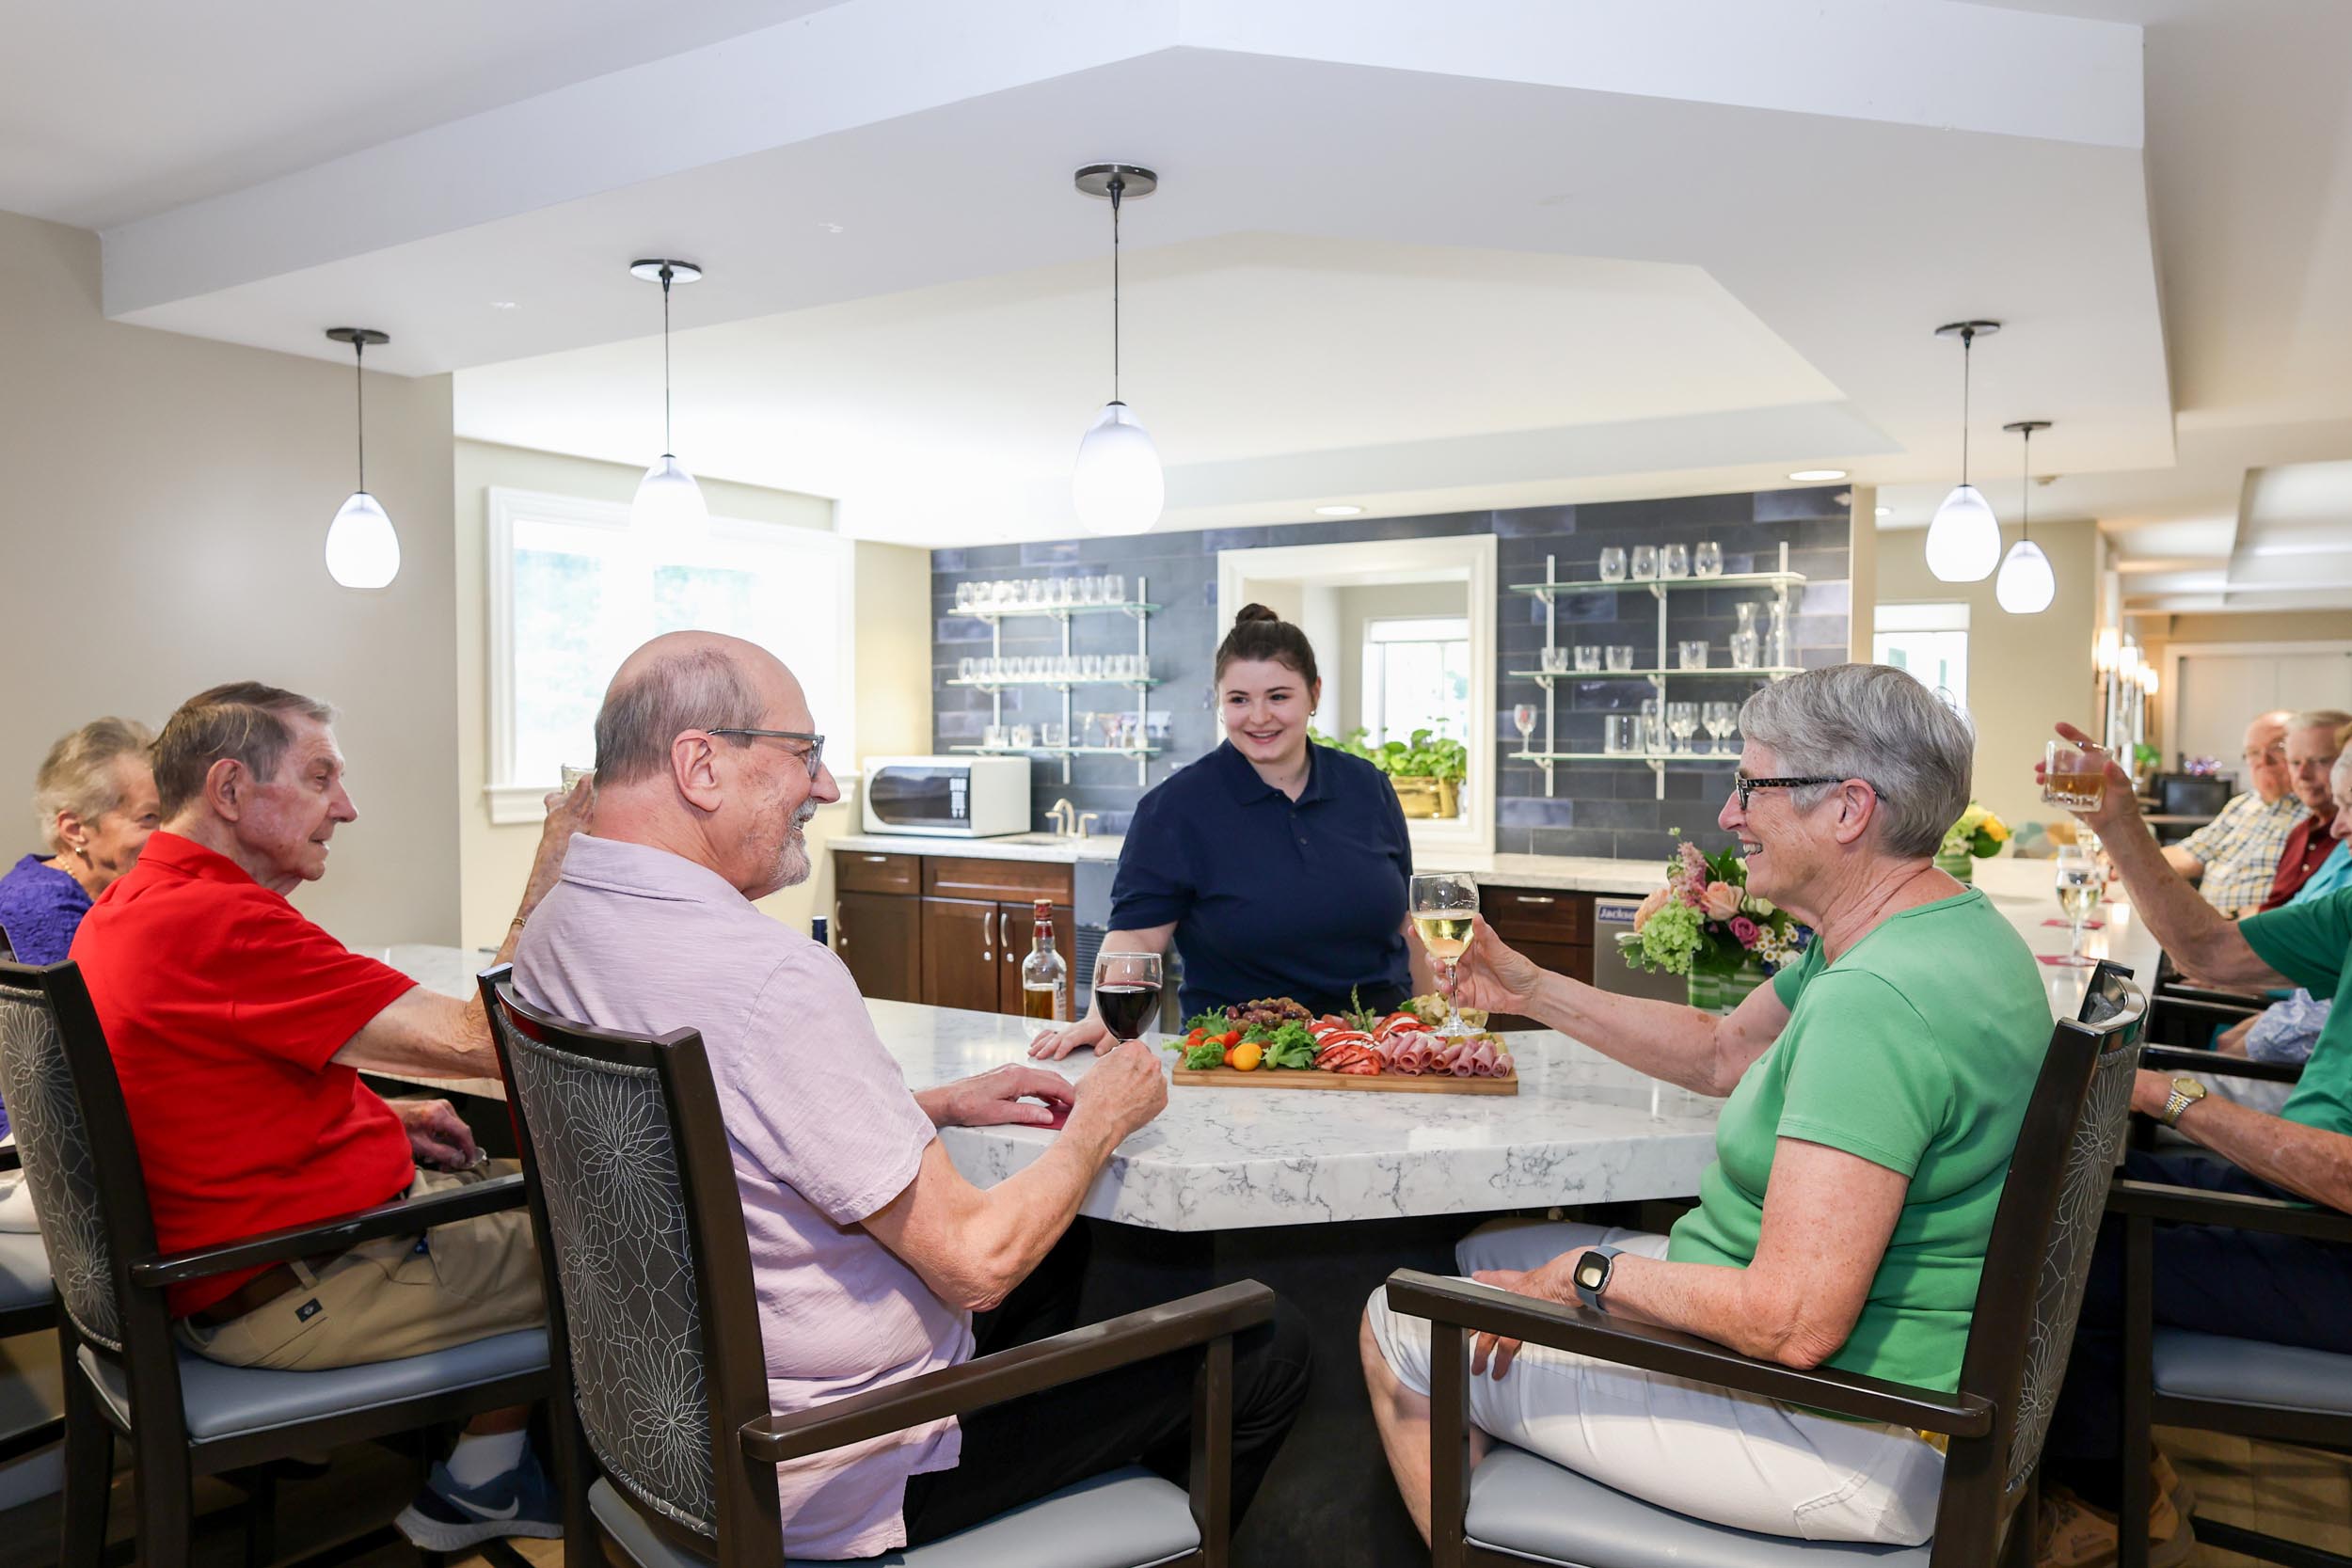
(2291, 1492)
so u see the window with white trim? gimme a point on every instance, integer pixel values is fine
(1417, 676)
(1929, 640)
(573, 589)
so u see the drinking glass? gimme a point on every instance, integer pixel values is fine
(1707, 560)
(2080, 886)
(571, 773)
(1050, 735)
(967, 669)
(1524, 716)
(965, 594)
(1720, 719)
(2073, 776)
(1613, 565)
(1620, 657)
(1674, 562)
(1442, 903)
(1114, 588)
(1588, 657)
(1693, 653)
(1620, 735)
(1126, 991)
(1743, 648)
(1555, 661)
(1682, 723)
(1090, 590)
(992, 736)
(1645, 562)
(1090, 667)
(1020, 736)
(1650, 738)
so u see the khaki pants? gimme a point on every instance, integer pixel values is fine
(403, 1295)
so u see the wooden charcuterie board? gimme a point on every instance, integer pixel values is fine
(1309, 1078)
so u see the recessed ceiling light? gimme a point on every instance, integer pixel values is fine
(1339, 509)
(1818, 476)
(502, 305)
(1886, 512)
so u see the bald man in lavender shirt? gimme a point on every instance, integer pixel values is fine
(871, 1254)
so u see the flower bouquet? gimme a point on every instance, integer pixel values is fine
(1706, 925)
(1978, 835)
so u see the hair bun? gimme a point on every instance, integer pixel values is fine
(1250, 613)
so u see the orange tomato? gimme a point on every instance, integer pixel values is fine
(1245, 1056)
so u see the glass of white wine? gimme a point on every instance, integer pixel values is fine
(2081, 885)
(1442, 903)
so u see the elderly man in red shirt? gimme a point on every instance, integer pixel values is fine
(237, 1027)
(2313, 747)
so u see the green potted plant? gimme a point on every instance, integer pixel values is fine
(1426, 772)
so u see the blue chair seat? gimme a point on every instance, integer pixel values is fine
(227, 1401)
(2249, 1371)
(1128, 1519)
(23, 1271)
(1534, 1509)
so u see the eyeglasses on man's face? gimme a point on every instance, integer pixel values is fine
(1744, 786)
(2258, 755)
(814, 756)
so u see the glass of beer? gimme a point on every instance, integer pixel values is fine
(1126, 991)
(1442, 903)
(2073, 776)
(2081, 886)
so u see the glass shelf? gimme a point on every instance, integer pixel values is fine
(1548, 676)
(1049, 684)
(1138, 753)
(1729, 580)
(1722, 758)
(1054, 611)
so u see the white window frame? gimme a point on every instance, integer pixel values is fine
(1943, 615)
(1382, 630)
(516, 800)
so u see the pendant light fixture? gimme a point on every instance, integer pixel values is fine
(2027, 585)
(363, 551)
(1964, 540)
(1116, 485)
(669, 503)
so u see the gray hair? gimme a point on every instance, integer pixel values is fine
(2327, 718)
(242, 722)
(1876, 723)
(78, 774)
(698, 690)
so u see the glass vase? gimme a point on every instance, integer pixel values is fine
(1961, 867)
(1706, 990)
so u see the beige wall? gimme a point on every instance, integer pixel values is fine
(890, 672)
(2023, 671)
(162, 531)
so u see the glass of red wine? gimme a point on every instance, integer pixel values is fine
(1126, 991)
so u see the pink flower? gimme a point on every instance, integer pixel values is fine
(1693, 865)
(1650, 905)
(1746, 931)
(1720, 901)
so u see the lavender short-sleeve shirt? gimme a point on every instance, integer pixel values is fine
(824, 1132)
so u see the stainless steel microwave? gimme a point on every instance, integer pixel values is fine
(948, 797)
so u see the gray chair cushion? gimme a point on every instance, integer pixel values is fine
(224, 1402)
(23, 1271)
(1127, 1518)
(1533, 1509)
(2249, 1371)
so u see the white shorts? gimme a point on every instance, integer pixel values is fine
(1731, 1458)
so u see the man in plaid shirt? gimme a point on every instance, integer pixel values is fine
(2233, 857)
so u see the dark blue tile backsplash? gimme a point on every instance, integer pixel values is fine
(1596, 809)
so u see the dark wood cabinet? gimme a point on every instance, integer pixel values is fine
(962, 966)
(879, 936)
(1554, 929)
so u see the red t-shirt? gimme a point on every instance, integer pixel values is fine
(222, 1006)
(2306, 847)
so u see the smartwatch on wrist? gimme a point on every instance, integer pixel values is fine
(2186, 1092)
(1590, 1275)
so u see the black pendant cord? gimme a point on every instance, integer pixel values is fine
(1116, 186)
(359, 382)
(669, 447)
(2024, 492)
(1967, 348)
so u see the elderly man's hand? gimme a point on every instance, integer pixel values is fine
(1002, 1096)
(566, 814)
(437, 1136)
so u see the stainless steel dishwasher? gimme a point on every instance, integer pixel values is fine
(1611, 973)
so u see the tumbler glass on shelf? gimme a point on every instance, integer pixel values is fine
(1587, 657)
(1682, 723)
(1743, 650)
(1613, 565)
(1126, 991)
(1692, 654)
(992, 736)
(966, 595)
(1090, 590)
(1050, 735)
(1020, 736)
(1645, 562)
(1674, 562)
(1441, 904)
(2081, 884)
(1524, 716)
(1621, 734)
(1619, 656)
(1114, 588)
(1555, 661)
(1707, 560)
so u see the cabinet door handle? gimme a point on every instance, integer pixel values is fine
(876, 860)
(1534, 898)
(1004, 934)
(988, 954)
(840, 932)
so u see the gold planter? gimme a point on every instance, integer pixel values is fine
(1426, 796)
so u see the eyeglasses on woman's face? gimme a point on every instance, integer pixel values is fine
(814, 756)
(1744, 786)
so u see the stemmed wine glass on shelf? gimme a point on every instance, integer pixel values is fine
(1524, 716)
(1126, 991)
(1442, 903)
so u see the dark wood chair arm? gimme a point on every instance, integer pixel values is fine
(2252, 1001)
(1049, 1363)
(402, 1217)
(2171, 1007)
(1487, 1309)
(2243, 1211)
(2173, 1058)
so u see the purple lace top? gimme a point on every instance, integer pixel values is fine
(40, 907)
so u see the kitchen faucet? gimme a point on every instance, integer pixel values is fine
(1064, 817)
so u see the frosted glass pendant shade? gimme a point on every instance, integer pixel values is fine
(1117, 484)
(669, 503)
(2027, 584)
(363, 551)
(1964, 540)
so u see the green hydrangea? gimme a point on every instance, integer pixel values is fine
(1670, 938)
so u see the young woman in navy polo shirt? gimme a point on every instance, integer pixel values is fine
(1279, 867)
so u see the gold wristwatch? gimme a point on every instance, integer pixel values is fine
(2186, 1092)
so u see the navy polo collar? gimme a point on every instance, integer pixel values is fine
(1247, 787)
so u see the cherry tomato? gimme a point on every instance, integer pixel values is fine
(1232, 1038)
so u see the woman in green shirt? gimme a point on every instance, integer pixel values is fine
(1874, 1089)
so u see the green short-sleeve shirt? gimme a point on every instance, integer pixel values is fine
(1917, 1050)
(2311, 944)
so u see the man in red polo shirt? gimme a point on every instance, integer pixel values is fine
(2313, 743)
(237, 1027)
